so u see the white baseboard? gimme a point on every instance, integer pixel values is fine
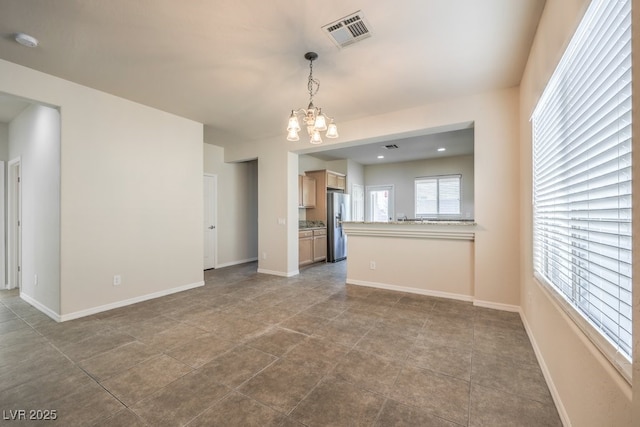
(46, 310)
(562, 412)
(278, 273)
(118, 304)
(242, 261)
(427, 292)
(497, 306)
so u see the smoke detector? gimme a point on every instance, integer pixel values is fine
(348, 30)
(26, 40)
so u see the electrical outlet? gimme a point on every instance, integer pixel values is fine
(372, 265)
(117, 280)
(264, 255)
(35, 280)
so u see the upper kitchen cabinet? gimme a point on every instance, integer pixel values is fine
(306, 192)
(328, 179)
(325, 180)
(336, 181)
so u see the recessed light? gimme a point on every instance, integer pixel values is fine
(381, 157)
(441, 149)
(26, 40)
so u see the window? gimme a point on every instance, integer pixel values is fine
(380, 203)
(582, 179)
(438, 196)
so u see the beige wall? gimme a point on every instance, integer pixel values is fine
(310, 163)
(587, 389)
(436, 267)
(237, 207)
(131, 194)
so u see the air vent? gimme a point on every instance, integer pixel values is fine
(390, 146)
(348, 30)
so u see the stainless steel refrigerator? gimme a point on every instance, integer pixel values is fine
(338, 210)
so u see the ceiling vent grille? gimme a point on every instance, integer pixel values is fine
(390, 146)
(348, 30)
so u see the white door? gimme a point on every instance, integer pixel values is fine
(210, 219)
(380, 203)
(357, 202)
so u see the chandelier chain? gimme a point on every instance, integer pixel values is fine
(312, 83)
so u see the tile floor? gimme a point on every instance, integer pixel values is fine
(255, 350)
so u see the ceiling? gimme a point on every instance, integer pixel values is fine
(238, 65)
(452, 143)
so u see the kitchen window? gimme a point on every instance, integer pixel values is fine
(438, 196)
(582, 181)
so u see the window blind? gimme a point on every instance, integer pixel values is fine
(582, 174)
(438, 195)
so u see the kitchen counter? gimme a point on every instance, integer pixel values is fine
(311, 225)
(456, 230)
(419, 222)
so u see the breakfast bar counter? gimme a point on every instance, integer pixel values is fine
(425, 257)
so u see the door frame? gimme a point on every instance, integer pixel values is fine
(215, 214)
(14, 224)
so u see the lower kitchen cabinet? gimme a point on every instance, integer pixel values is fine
(312, 246)
(319, 245)
(305, 247)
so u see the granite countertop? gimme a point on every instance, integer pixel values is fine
(308, 225)
(418, 222)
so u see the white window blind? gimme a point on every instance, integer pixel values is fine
(438, 195)
(582, 174)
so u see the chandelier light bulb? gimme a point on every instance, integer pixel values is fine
(294, 125)
(332, 130)
(321, 122)
(316, 138)
(293, 135)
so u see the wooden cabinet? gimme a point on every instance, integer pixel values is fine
(336, 181)
(312, 246)
(319, 245)
(305, 247)
(306, 192)
(325, 179)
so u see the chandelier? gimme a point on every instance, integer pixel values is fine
(311, 116)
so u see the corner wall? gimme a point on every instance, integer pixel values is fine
(130, 194)
(34, 137)
(587, 389)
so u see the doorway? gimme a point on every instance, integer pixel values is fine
(380, 207)
(210, 221)
(14, 225)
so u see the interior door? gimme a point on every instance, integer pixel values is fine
(210, 219)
